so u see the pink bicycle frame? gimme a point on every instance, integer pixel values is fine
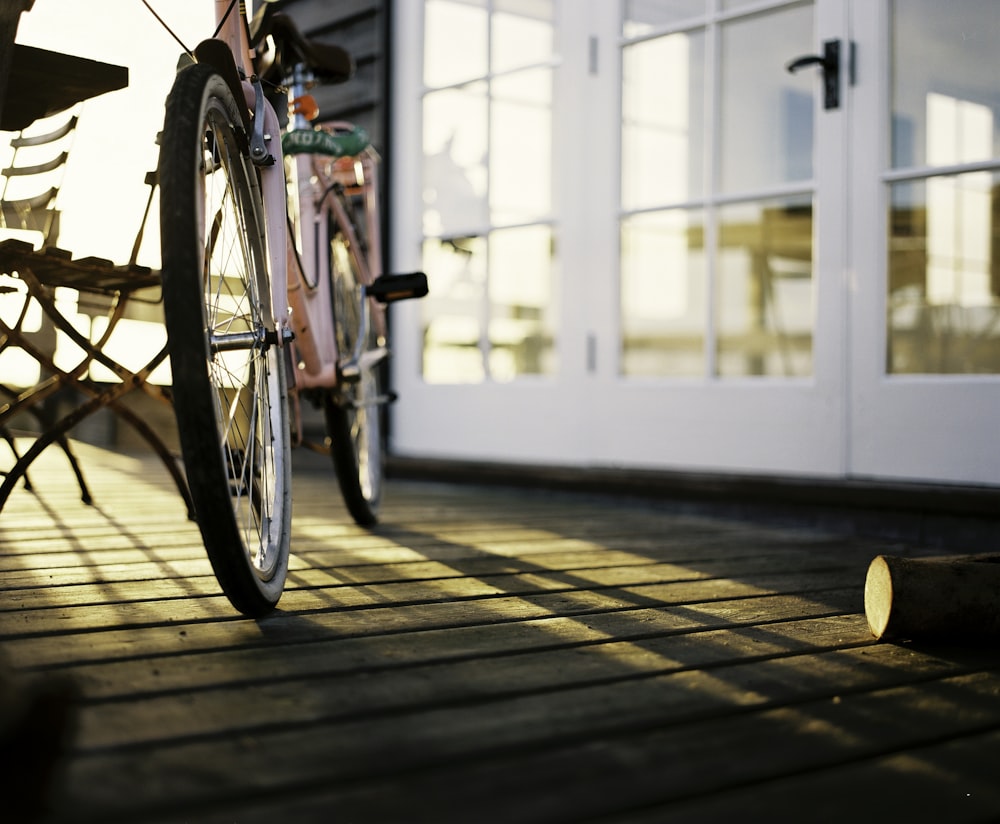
(309, 285)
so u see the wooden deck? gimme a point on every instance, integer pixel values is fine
(483, 655)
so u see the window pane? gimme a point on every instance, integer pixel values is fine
(767, 113)
(455, 41)
(522, 306)
(522, 33)
(521, 147)
(662, 120)
(945, 106)
(642, 16)
(452, 312)
(455, 151)
(663, 294)
(764, 308)
(944, 275)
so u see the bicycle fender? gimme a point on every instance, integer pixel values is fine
(217, 54)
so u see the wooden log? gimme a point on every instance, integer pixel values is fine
(945, 598)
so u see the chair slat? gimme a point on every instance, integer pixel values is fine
(37, 169)
(41, 139)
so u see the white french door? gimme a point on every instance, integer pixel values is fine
(925, 279)
(651, 245)
(723, 336)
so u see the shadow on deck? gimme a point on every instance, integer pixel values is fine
(484, 654)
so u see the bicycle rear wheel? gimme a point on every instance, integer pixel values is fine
(353, 410)
(230, 395)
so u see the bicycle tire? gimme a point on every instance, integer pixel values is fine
(230, 396)
(353, 420)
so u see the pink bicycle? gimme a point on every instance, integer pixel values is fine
(273, 289)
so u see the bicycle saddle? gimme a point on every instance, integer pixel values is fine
(329, 63)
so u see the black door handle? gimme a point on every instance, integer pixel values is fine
(830, 63)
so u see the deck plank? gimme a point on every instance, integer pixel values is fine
(483, 652)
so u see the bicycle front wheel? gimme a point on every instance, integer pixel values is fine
(230, 396)
(352, 411)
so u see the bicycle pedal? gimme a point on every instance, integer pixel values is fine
(391, 288)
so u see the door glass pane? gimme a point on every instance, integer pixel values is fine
(943, 309)
(456, 35)
(452, 312)
(492, 309)
(521, 147)
(663, 99)
(488, 189)
(944, 275)
(523, 33)
(663, 294)
(455, 152)
(766, 113)
(764, 306)
(522, 305)
(642, 16)
(945, 94)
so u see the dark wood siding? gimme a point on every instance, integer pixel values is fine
(361, 27)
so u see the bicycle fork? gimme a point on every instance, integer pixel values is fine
(267, 156)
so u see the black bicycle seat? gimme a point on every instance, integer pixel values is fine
(329, 63)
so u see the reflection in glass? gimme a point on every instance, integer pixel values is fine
(662, 120)
(522, 322)
(944, 275)
(491, 310)
(767, 114)
(487, 189)
(764, 305)
(523, 33)
(455, 152)
(455, 41)
(945, 65)
(663, 294)
(643, 16)
(452, 312)
(521, 147)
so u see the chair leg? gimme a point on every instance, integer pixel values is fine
(7, 436)
(85, 495)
